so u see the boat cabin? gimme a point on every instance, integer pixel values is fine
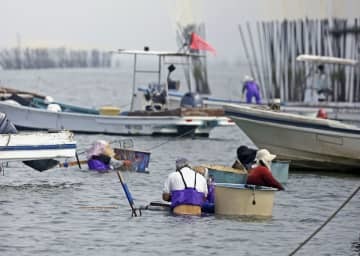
(154, 97)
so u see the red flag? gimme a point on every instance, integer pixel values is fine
(197, 43)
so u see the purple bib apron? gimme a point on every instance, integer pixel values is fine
(252, 91)
(97, 165)
(188, 196)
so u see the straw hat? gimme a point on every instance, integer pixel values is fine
(202, 170)
(264, 156)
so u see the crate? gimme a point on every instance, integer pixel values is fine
(109, 111)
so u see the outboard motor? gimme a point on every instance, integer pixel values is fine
(6, 126)
(191, 100)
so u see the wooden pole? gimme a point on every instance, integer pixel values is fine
(246, 50)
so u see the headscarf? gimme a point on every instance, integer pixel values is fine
(246, 155)
(100, 147)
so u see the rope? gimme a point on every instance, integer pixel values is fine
(172, 139)
(326, 222)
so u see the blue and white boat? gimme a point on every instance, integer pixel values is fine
(308, 142)
(36, 146)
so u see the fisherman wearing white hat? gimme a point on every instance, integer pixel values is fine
(185, 189)
(261, 174)
(252, 90)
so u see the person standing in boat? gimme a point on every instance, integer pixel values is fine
(261, 174)
(317, 86)
(185, 189)
(101, 157)
(322, 82)
(252, 90)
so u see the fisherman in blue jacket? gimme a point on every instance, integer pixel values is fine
(185, 189)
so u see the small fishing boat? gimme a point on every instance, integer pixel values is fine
(149, 114)
(36, 145)
(25, 146)
(308, 142)
(348, 112)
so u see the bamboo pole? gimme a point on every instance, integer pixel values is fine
(246, 50)
(263, 68)
(257, 67)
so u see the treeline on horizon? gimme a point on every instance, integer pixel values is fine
(37, 58)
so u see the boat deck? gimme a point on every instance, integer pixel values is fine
(211, 112)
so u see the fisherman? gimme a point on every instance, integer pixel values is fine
(261, 174)
(252, 90)
(209, 205)
(185, 189)
(322, 83)
(317, 86)
(101, 157)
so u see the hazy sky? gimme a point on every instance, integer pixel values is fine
(132, 24)
(113, 24)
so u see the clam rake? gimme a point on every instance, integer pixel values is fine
(129, 196)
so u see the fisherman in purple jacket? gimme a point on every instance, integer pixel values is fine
(101, 157)
(185, 189)
(252, 90)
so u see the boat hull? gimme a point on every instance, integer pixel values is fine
(28, 118)
(307, 142)
(36, 145)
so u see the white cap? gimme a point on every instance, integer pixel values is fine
(248, 79)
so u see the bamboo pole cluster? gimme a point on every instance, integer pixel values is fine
(198, 65)
(271, 49)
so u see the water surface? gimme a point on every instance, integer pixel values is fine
(48, 213)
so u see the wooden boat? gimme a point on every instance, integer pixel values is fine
(243, 200)
(307, 142)
(36, 145)
(32, 111)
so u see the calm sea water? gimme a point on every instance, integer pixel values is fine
(48, 213)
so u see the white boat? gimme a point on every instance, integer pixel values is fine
(308, 142)
(36, 146)
(348, 112)
(146, 117)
